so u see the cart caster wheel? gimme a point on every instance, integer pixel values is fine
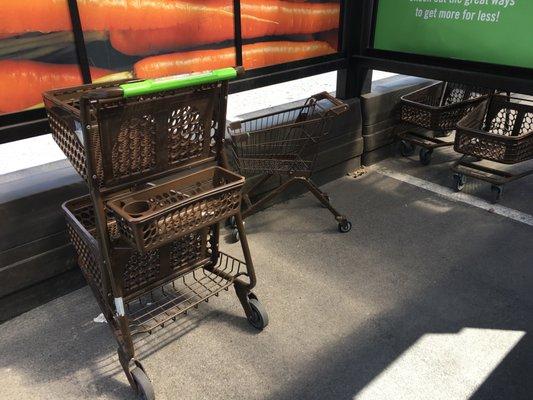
(259, 318)
(345, 226)
(425, 156)
(145, 389)
(459, 182)
(235, 235)
(496, 193)
(407, 149)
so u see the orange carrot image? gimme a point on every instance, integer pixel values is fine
(255, 55)
(293, 18)
(259, 19)
(199, 32)
(52, 15)
(23, 81)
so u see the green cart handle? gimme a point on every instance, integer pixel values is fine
(149, 86)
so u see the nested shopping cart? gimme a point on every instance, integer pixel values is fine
(435, 108)
(500, 130)
(286, 144)
(147, 236)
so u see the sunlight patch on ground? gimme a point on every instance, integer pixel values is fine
(443, 366)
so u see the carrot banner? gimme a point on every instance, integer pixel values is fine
(292, 18)
(98, 15)
(259, 19)
(255, 55)
(201, 31)
(23, 82)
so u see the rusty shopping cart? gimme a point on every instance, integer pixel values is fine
(435, 108)
(147, 236)
(499, 130)
(286, 144)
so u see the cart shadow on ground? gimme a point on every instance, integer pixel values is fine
(344, 308)
(82, 344)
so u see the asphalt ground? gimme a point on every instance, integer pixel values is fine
(428, 297)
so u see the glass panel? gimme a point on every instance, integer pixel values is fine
(36, 52)
(154, 38)
(276, 32)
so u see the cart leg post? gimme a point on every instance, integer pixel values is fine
(345, 226)
(254, 310)
(246, 199)
(126, 349)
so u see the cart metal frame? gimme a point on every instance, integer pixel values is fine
(285, 144)
(82, 110)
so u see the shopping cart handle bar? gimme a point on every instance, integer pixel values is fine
(149, 86)
(177, 82)
(339, 106)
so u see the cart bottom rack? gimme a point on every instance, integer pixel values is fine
(470, 167)
(410, 139)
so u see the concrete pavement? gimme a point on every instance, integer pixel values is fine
(425, 298)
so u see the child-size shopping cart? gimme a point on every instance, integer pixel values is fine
(286, 144)
(147, 237)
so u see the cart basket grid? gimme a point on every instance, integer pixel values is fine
(440, 106)
(500, 129)
(285, 141)
(130, 138)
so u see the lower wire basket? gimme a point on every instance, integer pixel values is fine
(162, 305)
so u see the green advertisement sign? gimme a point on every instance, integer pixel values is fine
(492, 31)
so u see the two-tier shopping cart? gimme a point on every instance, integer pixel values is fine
(284, 144)
(499, 130)
(436, 108)
(147, 236)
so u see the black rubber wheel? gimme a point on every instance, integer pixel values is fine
(459, 182)
(259, 318)
(345, 226)
(496, 193)
(235, 235)
(425, 156)
(407, 149)
(145, 389)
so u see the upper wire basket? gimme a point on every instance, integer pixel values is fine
(284, 142)
(500, 129)
(440, 106)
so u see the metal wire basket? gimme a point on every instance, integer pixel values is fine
(283, 142)
(500, 129)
